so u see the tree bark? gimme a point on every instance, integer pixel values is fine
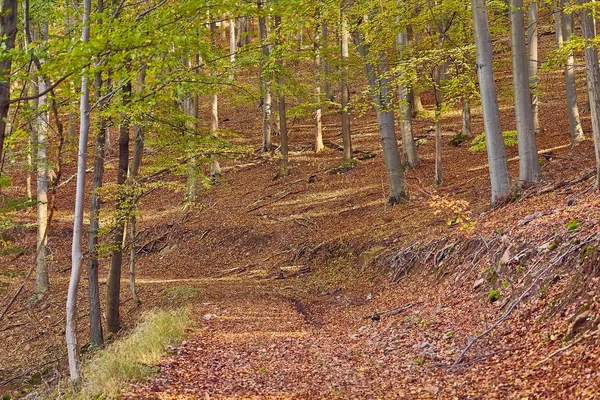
(319, 110)
(466, 117)
(325, 59)
(345, 95)
(529, 166)
(265, 84)
(42, 282)
(232, 47)
(8, 33)
(381, 94)
(76, 253)
(532, 33)
(96, 334)
(408, 143)
(575, 128)
(498, 166)
(437, 78)
(593, 80)
(113, 285)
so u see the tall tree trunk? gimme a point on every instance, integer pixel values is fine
(593, 79)
(575, 129)
(437, 78)
(31, 144)
(408, 143)
(113, 285)
(96, 334)
(281, 110)
(265, 84)
(529, 166)
(325, 58)
(42, 283)
(318, 100)
(381, 93)
(498, 166)
(215, 168)
(76, 253)
(232, 47)
(8, 33)
(136, 162)
(556, 12)
(532, 33)
(345, 97)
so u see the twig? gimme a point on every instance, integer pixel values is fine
(389, 313)
(283, 196)
(573, 343)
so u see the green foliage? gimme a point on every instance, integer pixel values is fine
(572, 225)
(458, 139)
(345, 167)
(478, 143)
(494, 295)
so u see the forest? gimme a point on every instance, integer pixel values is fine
(299, 199)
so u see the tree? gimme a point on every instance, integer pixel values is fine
(565, 25)
(265, 84)
(345, 95)
(489, 102)
(408, 144)
(319, 109)
(529, 166)
(77, 255)
(593, 78)
(8, 33)
(532, 34)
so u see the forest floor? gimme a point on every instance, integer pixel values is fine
(283, 274)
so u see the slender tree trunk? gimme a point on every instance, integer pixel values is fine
(325, 59)
(8, 33)
(264, 81)
(32, 142)
(76, 254)
(345, 96)
(42, 282)
(113, 285)
(284, 168)
(529, 167)
(556, 12)
(437, 78)
(232, 47)
(408, 143)
(416, 105)
(533, 61)
(319, 110)
(381, 93)
(96, 334)
(466, 118)
(498, 166)
(593, 80)
(575, 129)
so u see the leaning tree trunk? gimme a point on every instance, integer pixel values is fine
(345, 95)
(76, 253)
(529, 166)
(265, 84)
(381, 93)
(532, 33)
(113, 285)
(408, 142)
(8, 33)
(498, 166)
(42, 283)
(593, 79)
(575, 128)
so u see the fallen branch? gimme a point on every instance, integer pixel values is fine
(573, 343)
(378, 315)
(286, 194)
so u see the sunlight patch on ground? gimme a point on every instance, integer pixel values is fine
(480, 167)
(255, 334)
(321, 197)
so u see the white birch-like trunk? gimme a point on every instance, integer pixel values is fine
(593, 80)
(319, 110)
(76, 253)
(345, 97)
(575, 128)
(42, 282)
(264, 82)
(408, 143)
(532, 33)
(498, 166)
(232, 47)
(529, 166)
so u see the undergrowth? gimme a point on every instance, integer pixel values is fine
(132, 358)
(478, 143)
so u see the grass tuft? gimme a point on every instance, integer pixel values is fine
(132, 358)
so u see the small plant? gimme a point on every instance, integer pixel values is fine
(572, 225)
(478, 142)
(494, 295)
(458, 209)
(418, 361)
(345, 167)
(458, 139)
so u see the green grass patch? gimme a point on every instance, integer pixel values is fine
(181, 294)
(478, 142)
(132, 358)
